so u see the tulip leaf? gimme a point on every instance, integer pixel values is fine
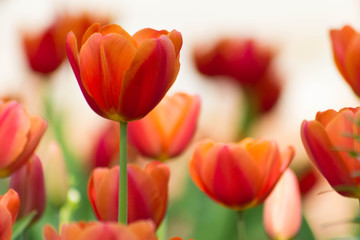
(20, 225)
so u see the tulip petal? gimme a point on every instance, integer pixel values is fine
(104, 231)
(352, 64)
(50, 233)
(321, 152)
(177, 40)
(151, 74)
(5, 223)
(90, 31)
(72, 53)
(15, 125)
(11, 201)
(340, 40)
(147, 33)
(103, 61)
(325, 117)
(143, 230)
(113, 28)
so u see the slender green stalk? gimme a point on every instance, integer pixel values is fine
(241, 226)
(162, 230)
(122, 213)
(250, 113)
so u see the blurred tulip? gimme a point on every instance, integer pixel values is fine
(167, 130)
(46, 50)
(28, 182)
(332, 143)
(56, 180)
(147, 192)
(242, 59)
(140, 230)
(307, 179)
(346, 51)
(238, 175)
(20, 133)
(124, 77)
(9, 207)
(282, 209)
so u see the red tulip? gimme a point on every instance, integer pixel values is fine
(140, 230)
(242, 59)
(28, 182)
(147, 192)
(46, 50)
(124, 77)
(238, 175)
(282, 209)
(167, 130)
(332, 143)
(20, 133)
(9, 207)
(346, 51)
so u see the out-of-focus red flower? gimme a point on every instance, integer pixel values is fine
(238, 175)
(20, 133)
(147, 192)
(167, 130)
(140, 230)
(45, 51)
(346, 51)
(9, 207)
(124, 77)
(282, 209)
(307, 179)
(332, 143)
(28, 182)
(242, 59)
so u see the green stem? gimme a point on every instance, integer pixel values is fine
(122, 213)
(241, 226)
(162, 230)
(249, 114)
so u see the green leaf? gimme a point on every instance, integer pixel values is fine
(20, 225)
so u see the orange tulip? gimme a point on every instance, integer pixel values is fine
(28, 182)
(124, 77)
(346, 51)
(9, 207)
(282, 209)
(238, 175)
(332, 143)
(19, 135)
(167, 130)
(46, 50)
(147, 192)
(140, 230)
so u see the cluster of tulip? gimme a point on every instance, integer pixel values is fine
(125, 79)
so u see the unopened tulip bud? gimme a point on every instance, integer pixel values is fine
(56, 183)
(282, 209)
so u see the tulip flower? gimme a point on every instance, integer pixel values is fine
(167, 130)
(20, 133)
(346, 50)
(28, 182)
(45, 51)
(282, 209)
(242, 59)
(147, 192)
(124, 77)
(56, 180)
(9, 207)
(332, 144)
(238, 175)
(140, 230)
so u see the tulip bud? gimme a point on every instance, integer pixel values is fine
(56, 181)
(9, 207)
(282, 209)
(28, 182)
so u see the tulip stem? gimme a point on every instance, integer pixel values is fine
(122, 212)
(249, 114)
(241, 226)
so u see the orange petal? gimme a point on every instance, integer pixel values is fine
(5, 223)
(150, 76)
(340, 41)
(177, 40)
(147, 33)
(90, 31)
(325, 117)
(15, 125)
(50, 233)
(352, 64)
(322, 153)
(11, 201)
(143, 230)
(113, 28)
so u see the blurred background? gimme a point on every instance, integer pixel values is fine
(298, 31)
